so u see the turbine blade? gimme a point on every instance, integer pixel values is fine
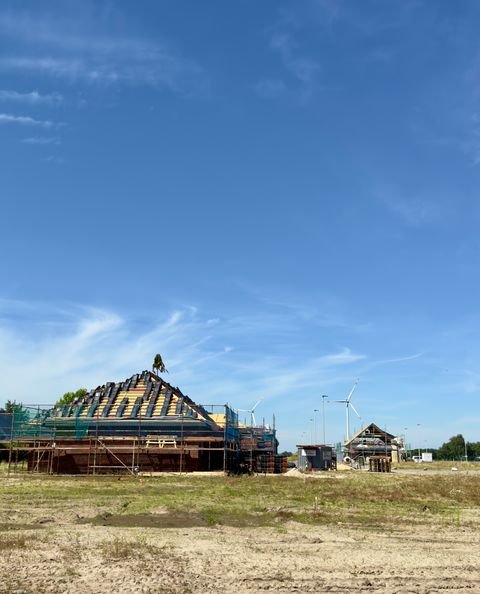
(352, 391)
(254, 407)
(355, 410)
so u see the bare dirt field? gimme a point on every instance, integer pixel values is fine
(340, 532)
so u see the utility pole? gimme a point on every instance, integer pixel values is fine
(323, 416)
(419, 425)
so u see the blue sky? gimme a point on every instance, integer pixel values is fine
(280, 197)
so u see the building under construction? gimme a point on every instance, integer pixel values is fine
(141, 425)
(372, 441)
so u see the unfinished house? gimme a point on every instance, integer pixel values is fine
(141, 425)
(368, 442)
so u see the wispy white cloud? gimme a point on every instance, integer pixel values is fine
(82, 52)
(400, 359)
(412, 210)
(54, 159)
(33, 97)
(302, 68)
(453, 127)
(7, 118)
(368, 23)
(41, 140)
(71, 68)
(330, 10)
(270, 88)
(344, 357)
(57, 349)
(212, 321)
(48, 349)
(320, 310)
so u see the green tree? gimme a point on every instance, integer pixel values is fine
(454, 449)
(17, 409)
(158, 365)
(69, 397)
(475, 446)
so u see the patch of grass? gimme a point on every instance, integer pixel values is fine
(9, 542)
(72, 552)
(441, 465)
(358, 498)
(120, 549)
(211, 516)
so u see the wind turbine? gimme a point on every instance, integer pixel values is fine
(253, 422)
(349, 404)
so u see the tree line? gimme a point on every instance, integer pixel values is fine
(456, 448)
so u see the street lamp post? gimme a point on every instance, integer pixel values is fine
(323, 416)
(406, 446)
(419, 425)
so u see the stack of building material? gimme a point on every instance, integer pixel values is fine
(264, 464)
(281, 464)
(379, 464)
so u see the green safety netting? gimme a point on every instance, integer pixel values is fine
(28, 422)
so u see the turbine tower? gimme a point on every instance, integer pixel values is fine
(349, 404)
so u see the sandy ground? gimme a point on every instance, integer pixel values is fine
(63, 557)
